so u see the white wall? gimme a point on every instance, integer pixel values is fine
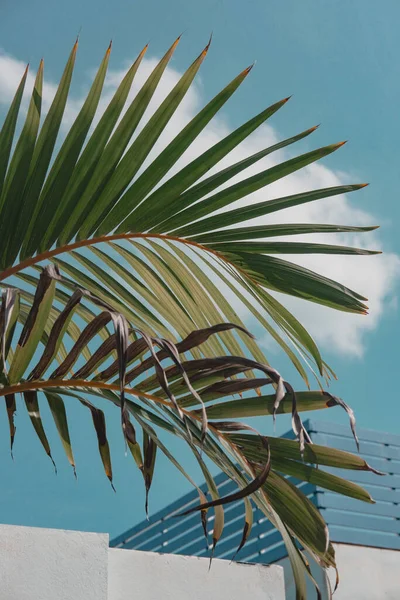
(365, 574)
(372, 573)
(47, 564)
(148, 576)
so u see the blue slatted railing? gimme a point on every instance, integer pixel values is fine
(349, 520)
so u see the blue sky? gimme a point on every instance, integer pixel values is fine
(340, 62)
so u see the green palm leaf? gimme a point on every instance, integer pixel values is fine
(104, 191)
(64, 165)
(157, 255)
(19, 166)
(7, 133)
(42, 155)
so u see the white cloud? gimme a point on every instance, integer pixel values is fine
(11, 72)
(373, 277)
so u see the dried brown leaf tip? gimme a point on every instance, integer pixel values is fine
(143, 52)
(149, 455)
(11, 408)
(176, 42)
(247, 70)
(208, 46)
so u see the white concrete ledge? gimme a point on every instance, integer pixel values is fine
(48, 564)
(151, 576)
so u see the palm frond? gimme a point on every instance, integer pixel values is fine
(131, 272)
(159, 384)
(96, 196)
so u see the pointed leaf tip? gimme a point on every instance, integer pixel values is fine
(109, 47)
(363, 185)
(204, 52)
(248, 69)
(176, 42)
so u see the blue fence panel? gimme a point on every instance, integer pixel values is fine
(350, 521)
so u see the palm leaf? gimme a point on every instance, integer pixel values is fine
(7, 133)
(43, 152)
(169, 406)
(64, 166)
(147, 257)
(19, 166)
(105, 192)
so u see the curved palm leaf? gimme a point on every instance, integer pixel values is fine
(124, 229)
(147, 259)
(159, 384)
